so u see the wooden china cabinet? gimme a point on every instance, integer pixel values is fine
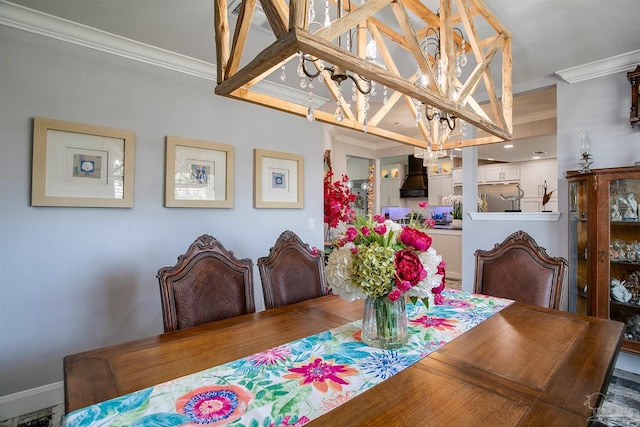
(604, 247)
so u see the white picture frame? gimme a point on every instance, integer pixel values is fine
(199, 174)
(278, 180)
(80, 165)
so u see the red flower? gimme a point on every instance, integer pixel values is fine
(380, 229)
(337, 201)
(322, 375)
(378, 218)
(422, 204)
(415, 238)
(365, 231)
(409, 267)
(394, 294)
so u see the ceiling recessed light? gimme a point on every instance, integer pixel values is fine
(458, 149)
(535, 157)
(489, 158)
(508, 146)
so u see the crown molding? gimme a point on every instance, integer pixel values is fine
(36, 22)
(601, 68)
(44, 24)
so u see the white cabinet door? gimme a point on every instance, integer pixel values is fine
(549, 173)
(446, 185)
(481, 175)
(434, 190)
(492, 173)
(530, 180)
(502, 173)
(511, 172)
(439, 186)
(390, 192)
(456, 176)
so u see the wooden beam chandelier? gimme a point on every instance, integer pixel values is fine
(388, 50)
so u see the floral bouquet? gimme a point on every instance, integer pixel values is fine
(337, 202)
(382, 260)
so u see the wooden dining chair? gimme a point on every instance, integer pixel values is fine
(291, 272)
(207, 283)
(520, 270)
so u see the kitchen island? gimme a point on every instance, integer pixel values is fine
(448, 244)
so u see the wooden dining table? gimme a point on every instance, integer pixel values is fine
(524, 366)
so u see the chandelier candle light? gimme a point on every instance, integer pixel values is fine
(388, 51)
(385, 262)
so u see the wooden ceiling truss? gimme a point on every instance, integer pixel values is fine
(290, 26)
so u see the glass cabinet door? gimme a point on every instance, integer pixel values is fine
(578, 226)
(624, 255)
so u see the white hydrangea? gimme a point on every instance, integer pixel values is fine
(337, 274)
(430, 261)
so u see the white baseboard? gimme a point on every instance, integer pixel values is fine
(27, 401)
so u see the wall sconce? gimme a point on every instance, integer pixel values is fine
(634, 79)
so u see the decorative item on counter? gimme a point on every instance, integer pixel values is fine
(584, 146)
(619, 292)
(546, 197)
(515, 200)
(384, 262)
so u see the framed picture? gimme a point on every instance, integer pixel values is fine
(76, 164)
(277, 180)
(199, 174)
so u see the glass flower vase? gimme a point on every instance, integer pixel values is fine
(384, 322)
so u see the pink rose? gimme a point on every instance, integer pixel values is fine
(365, 231)
(409, 267)
(378, 218)
(422, 204)
(403, 285)
(415, 238)
(429, 223)
(351, 234)
(394, 294)
(380, 229)
(314, 251)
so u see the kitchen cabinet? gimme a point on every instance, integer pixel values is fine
(604, 253)
(501, 173)
(533, 176)
(440, 185)
(456, 176)
(390, 192)
(391, 179)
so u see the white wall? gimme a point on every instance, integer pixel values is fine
(600, 106)
(75, 279)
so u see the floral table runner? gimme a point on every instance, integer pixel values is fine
(294, 383)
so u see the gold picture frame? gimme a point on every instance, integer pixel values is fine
(278, 180)
(80, 165)
(199, 174)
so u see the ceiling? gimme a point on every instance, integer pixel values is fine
(547, 36)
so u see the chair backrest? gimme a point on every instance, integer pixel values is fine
(207, 283)
(291, 272)
(520, 270)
